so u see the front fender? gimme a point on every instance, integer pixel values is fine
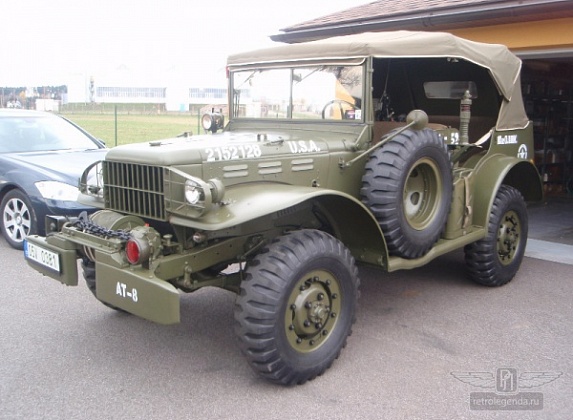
(501, 169)
(350, 221)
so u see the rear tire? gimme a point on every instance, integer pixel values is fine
(494, 260)
(296, 306)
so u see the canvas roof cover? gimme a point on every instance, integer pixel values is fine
(503, 66)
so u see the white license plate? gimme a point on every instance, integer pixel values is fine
(42, 256)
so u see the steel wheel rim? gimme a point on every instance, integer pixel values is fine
(17, 219)
(312, 311)
(422, 193)
(508, 237)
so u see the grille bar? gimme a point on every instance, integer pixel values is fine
(134, 189)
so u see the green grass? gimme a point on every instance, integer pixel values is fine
(135, 128)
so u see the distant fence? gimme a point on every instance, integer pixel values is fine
(94, 116)
(105, 108)
(133, 109)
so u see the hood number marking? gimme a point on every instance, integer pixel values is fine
(242, 151)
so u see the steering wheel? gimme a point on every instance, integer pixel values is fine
(340, 103)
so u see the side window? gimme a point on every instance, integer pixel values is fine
(449, 89)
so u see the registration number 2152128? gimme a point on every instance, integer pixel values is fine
(42, 256)
(243, 151)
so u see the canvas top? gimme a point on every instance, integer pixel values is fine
(503, 65)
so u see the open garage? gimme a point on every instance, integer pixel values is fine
(540, 32)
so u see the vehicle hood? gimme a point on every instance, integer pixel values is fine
(226, 146)
(65, 166)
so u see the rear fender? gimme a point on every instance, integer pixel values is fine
(267, 203)
(497, 170)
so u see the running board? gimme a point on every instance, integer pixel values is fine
(443, 246)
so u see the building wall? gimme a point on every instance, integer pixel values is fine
(544, 34)
(177, 90)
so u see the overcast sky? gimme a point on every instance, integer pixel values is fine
(43, 41)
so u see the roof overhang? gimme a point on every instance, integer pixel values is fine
(435, 18)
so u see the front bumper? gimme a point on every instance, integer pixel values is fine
(133, 289)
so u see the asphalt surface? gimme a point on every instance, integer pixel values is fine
(419, 336)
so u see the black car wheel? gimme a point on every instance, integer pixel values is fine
(296, 306)
(18, 218)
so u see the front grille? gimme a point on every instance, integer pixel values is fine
(134, 189)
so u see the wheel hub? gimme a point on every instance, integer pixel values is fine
(318, 313)
(16, 219)
(312, 311)
(421, 194)
(508, 237)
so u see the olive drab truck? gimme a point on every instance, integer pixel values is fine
(380, 149)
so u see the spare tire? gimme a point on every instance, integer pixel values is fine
(407, 185)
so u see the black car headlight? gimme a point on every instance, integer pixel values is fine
(55, 190)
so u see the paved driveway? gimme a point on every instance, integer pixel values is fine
(421, 338)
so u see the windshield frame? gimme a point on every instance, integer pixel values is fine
(313, 67)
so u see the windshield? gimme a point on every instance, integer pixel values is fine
(41, 133)
(319, 92)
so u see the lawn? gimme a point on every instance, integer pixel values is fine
(135, 128)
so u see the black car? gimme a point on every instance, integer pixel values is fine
(42, 157)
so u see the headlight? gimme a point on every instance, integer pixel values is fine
(200, 196)
(54, 190)
(194, 193)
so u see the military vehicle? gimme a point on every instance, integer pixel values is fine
(379, 149)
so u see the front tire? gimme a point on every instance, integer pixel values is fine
(18, 218)
(89, 272)
(296, 306)
(494, 260)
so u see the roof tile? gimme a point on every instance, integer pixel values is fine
(386, 9)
